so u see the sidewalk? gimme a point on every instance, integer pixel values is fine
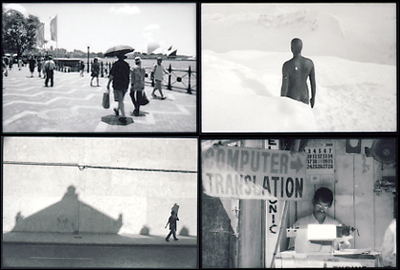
(72, 105)
(95, 239)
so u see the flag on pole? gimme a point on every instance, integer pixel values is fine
(53, 28)
(40, 35)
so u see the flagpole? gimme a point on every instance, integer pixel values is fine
(54, 32)
(56, 35)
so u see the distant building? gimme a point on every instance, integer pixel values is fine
(172, 52)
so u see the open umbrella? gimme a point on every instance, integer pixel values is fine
(119, 49)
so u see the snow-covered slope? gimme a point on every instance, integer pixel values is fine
(364, 33)
(241, 93)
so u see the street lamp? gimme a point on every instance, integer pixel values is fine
(88, 47)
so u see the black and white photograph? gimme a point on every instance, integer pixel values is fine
(99, 67)
(75, 202)
(191, 135)
(298, 202)
(298, 67)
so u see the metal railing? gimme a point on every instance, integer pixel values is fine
(178, 79)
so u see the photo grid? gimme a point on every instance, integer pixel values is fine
(199, 135)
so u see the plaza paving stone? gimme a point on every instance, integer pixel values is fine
(73, 106)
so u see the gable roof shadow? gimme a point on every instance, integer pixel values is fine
(68, 216)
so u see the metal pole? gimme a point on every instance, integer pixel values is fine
(189, 90)
(169, 77)
(88, 55)
(281, 228)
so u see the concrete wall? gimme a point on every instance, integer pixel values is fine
(143, 199)
(218, 237)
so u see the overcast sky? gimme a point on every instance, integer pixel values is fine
(102, 26)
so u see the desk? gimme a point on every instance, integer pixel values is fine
(290, 259)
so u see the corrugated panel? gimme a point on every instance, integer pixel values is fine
(344, 186)
(383, 206)
(364, 203)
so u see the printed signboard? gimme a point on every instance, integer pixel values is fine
(250, 173)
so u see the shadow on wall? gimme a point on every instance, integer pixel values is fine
(145, 231)
(68, 216)
(184, 231)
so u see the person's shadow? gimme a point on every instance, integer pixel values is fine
(114, 120)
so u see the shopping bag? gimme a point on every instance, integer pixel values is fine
(106, 100)
(144, 100)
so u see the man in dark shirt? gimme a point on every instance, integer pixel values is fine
(49, 67)
(119, 75)
(295, 73)
(172, 226)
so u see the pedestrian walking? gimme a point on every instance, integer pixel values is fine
(81, 68)
(49, 67)
(172, 226)
(11, 62)
(157, 75)
(32, 64)
(5, 65)
(19, 64)
(39, 65)
(137, 85)
(119, 76)
(95, 71)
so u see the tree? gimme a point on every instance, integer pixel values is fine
(18, 33)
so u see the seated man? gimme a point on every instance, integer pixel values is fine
(322, 200)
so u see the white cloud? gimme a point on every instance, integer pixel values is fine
(152, 27)
(128, 9)
(148, 36)
(16, 7)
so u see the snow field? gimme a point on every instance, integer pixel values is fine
(241, 93)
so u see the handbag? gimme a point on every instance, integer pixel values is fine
(106, 100)
(144, 100)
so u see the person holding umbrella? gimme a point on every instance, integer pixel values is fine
(119, 75)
